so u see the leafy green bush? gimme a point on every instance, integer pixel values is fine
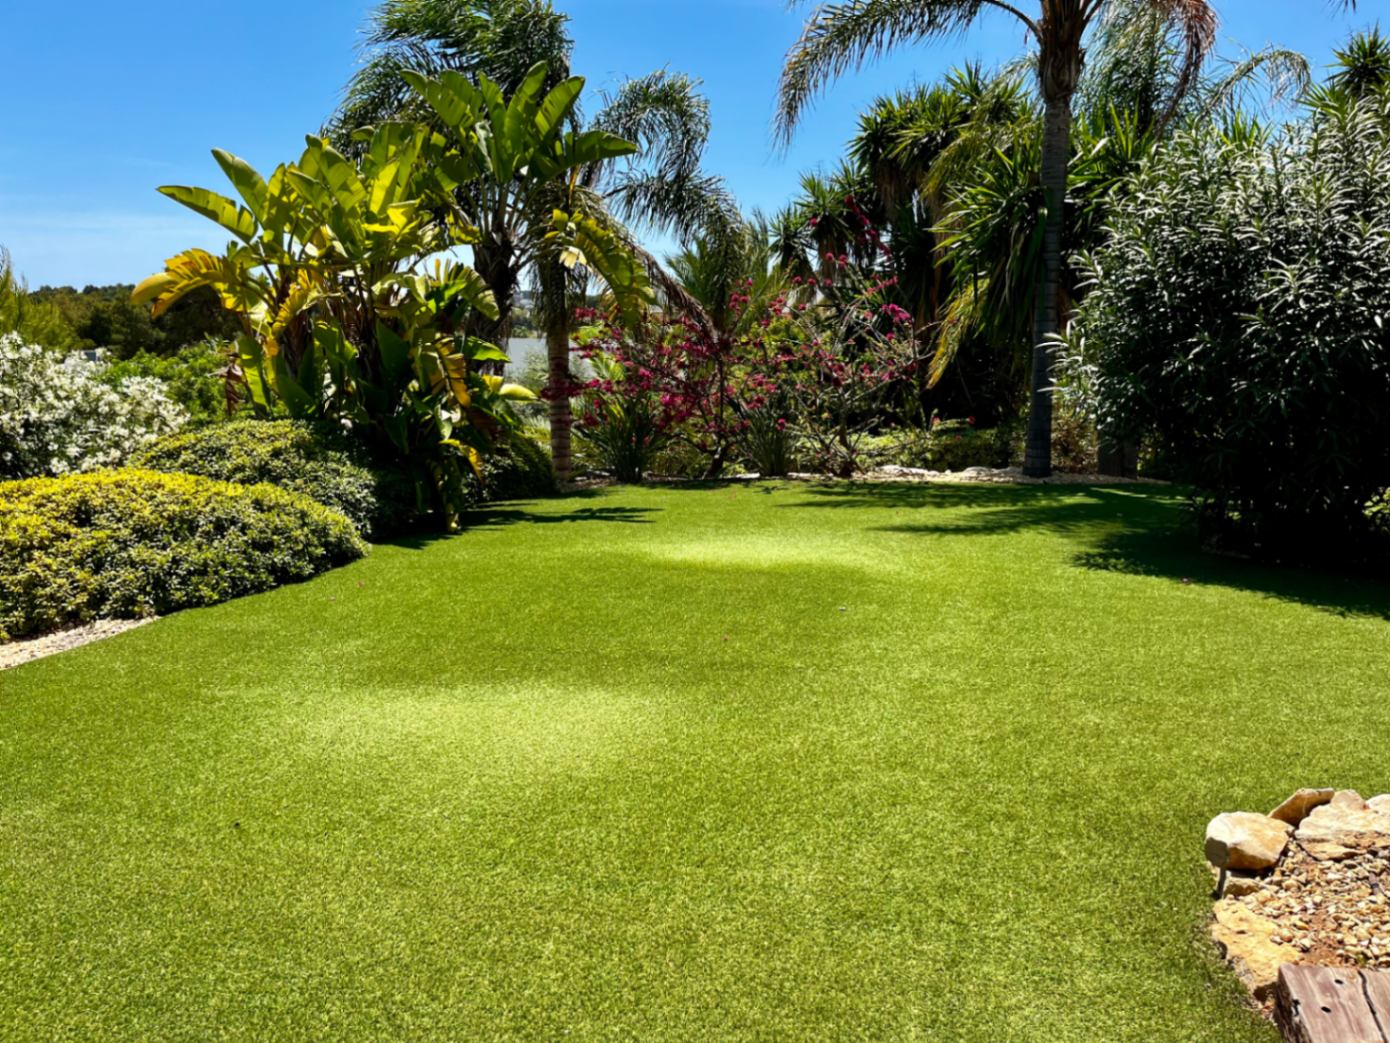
(132, 543)
(518, 469)
(948, 445)
(192, 377)
(954, 445)
(1238, 320)
(296, 455)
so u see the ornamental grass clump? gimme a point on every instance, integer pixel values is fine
(131, 543)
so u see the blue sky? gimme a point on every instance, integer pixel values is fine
(104, 102)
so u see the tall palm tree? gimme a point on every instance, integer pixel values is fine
(842, 36)
(501, 39)
(660, 186)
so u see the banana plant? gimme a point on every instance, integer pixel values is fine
(344, 315)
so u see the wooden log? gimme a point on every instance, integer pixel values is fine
(1377, 986)
(1325, 1005)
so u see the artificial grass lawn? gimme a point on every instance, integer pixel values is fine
(757, 762)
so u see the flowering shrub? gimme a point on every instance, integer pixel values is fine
(129, 543)
(808, 378)
(58, 417)
(629, 412)
(196, 377)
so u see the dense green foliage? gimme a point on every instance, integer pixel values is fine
(518, 469)
(32, 320)
(1238, 317)
(313, 460)
(106, 317)
(131, 543)
(195, 377)
(774, 762)
(361, 334)
(66, 319)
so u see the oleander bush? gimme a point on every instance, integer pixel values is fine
(57, 415)
(311, 459)
(130, 543)
(1238, 322)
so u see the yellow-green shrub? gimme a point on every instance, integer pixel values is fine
(315, 460)
(132, 543)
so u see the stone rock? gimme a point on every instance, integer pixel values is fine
(1343, 827)
(1246, 939)
(1244, 840)
(1380, 803)
(1296, 808)
(1237, 882)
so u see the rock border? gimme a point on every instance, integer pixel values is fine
(1307, 884)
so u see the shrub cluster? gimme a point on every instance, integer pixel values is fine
(518, 469)
(293, 454)
(131, 543)
(1239, 320)
(57, 416)
(194, 377)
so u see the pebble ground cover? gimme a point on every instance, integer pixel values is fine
(776, 761)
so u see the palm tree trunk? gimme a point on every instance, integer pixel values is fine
(557, 349)
(1056, 149)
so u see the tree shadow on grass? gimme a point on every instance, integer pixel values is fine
(1176, 554)
(519, 512)
(1128, 529)
(515, 512)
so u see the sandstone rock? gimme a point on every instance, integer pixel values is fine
(1237, 882)
(1243, 840)
(1380, 803)
(1343, 827)
(1246, 939)
(1296, 808)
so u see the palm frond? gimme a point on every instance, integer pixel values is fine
(501, 39)
(668, 118)
(842, 37)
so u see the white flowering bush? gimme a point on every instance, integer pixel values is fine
(57, 416)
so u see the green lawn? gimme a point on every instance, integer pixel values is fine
(767, 762)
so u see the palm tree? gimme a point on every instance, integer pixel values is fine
(842, 36)
(502, 39)
(659, 186)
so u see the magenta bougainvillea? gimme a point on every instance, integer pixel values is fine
(802, 380)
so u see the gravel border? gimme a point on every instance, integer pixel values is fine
(16, 653)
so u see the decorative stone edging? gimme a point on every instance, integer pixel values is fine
(1309, 883)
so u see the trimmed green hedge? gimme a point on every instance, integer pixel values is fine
(133, 543)
(298, 456)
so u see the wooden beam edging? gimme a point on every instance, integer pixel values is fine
(1333, 1004)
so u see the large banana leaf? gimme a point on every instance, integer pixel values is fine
(236, 219)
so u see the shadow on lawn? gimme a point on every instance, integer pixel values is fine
(515, 512)
(1135, 530)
